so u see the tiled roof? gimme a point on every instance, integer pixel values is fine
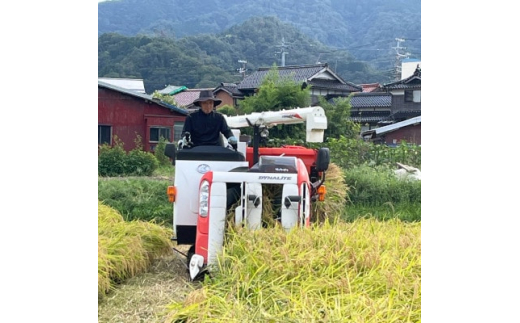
(369, 100)
(230, 88)
(330, 84)
(141, 96)
(370, 87)
(401, 86)
(401, 115)
(297, 73)
(186, 97)
(411, 82)
(369, 116)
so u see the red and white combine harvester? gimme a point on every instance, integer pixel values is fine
(211, 179)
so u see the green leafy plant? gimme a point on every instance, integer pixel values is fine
(137, 198)
(111, 159)
(164, 98)
(114, 161)
(159, 152)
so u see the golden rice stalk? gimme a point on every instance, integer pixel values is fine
(107, 216)
(271, 206)
(268, 209)
(126, 249)
(335, 197)
(364, 271)
(104, 282)
(331, 208)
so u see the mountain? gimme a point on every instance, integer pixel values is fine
(367, 29)
(206, 60)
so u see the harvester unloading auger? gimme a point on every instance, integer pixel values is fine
(209, 179)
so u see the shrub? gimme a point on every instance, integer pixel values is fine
(141, 163)
(348, 153)
(114, 161)
(159, 153)
(378, 185)
(111, 160)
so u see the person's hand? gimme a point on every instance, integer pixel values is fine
(185, 143)
(232, 140)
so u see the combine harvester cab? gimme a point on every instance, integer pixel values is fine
(210, 179)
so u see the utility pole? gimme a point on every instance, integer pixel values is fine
(398, 56)
(283, 46)
(242, 70)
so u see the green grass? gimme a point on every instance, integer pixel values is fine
(378, 186)
(140, 198)
(166, 171)
(367, 192)
(410, 212)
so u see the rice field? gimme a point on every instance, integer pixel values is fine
(364, 271)
(126, 249)
(355, 264)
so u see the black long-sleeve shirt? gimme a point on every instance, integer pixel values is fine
(205, 129)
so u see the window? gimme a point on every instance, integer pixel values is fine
(177, 130)
(104, 135)
(412, 96)
(157, 132)
(408, 96)
(416, 96)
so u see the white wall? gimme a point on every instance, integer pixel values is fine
(408, 66)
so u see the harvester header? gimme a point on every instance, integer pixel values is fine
(316, 121)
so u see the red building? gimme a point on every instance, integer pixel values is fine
(408, 130)
(125, 113)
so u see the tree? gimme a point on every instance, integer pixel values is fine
(164, 98)
(338, 118)
(274, 94)
(227, 110)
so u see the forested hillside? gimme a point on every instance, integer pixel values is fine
(208, 59)
(366, 29)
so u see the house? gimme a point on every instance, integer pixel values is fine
(382, 105)
(229, 94)
(323, 81)
(408, 130)
(136, 85)
(185, 98)
(406, 98)
(127, 113)
(369, 109)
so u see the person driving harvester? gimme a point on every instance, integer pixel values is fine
(206, 124)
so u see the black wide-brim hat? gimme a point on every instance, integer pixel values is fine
(207, 95)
